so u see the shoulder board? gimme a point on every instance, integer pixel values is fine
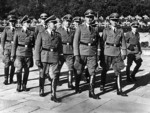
(7, 27)
(57, 33)
(18, 29)
(107, 28)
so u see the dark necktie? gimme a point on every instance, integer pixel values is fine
(114, 30)
(67, 30)
(90, 28)
(13, 29)
(52, 33)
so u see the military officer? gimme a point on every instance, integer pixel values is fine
(76, 21)
(114, 52)
(47, 51)
(6, 42)
(134, 51)
(67, 35)
(22, 51)
(86, 43)
(42, 26)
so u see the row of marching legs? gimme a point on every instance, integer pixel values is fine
(54, 82)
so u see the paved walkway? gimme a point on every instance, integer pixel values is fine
(138, 100)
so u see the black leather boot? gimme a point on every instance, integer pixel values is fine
(41, 87)
(70, 80)
(119, 87)
(12, 71)
(128, 74)
(86, 76)
(103, 80)
(53, 95)
(77, 82)
(6, 73)
(19, 79)
(91, 89)
(25, 79)
(138, 65)
(58, 79)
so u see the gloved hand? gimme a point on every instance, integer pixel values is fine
(123, 57)
(77, 58)
(12, 59)
(38, 63)
(77, 64)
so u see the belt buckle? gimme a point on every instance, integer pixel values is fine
(67, 43)
(89, 44)
(115, 45)
(12, 42)
(51, 50)
(26, 45)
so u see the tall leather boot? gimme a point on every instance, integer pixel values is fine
(6, 73)
(128, 74)
(12, 71)
(70, 80)
(77, 82)
(103, 80)
(41, 87)
(135, 71)
(91, 89)
(119, 87)
(58, 79)
(86, 75)
(19, 79)
(53, 95)
(25, 79)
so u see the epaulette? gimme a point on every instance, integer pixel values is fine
(7, 28)
(107, 28)
(59, 29)
(57, 34)
(18, 29)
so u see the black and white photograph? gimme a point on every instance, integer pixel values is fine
(74, 56)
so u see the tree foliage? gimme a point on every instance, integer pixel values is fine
(74, 7)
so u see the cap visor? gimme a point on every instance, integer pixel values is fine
(89, 15)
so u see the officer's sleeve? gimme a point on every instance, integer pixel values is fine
(60, 47)
(14, 46)
(104, 35)
(3, 38)
(33, 40)
(76, 41)
(123, 44)
(36, 32)
(139, 46)
(98, 45)
(38, 46)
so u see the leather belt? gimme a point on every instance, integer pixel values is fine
(67, 43)
(115, 45)
(87, 44)
(9, 41)
(51, 49)
(23, 45)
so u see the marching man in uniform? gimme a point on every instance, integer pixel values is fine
(115, 51)
(67, 35)
(22, 51)
(47, 51)
(86, 43)
(134, 51)
(6, 42)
